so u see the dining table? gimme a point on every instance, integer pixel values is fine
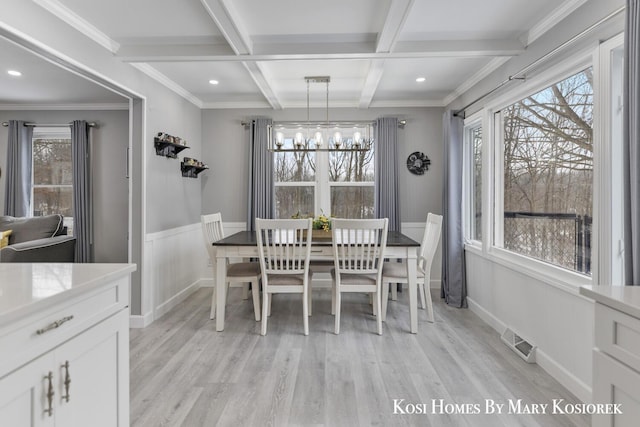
(244, 244)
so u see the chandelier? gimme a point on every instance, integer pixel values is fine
(321, 135)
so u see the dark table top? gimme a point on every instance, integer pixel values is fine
(248, 238)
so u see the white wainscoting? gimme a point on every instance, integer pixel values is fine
(175, 263)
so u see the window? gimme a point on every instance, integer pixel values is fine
(52, 173)
(295, 188)
(473, 182)
(547, 146)
(351, 180)
(338, 183)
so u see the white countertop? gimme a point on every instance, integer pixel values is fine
(26, 287)
(622, 298)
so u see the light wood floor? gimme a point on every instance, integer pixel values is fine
(184, 373)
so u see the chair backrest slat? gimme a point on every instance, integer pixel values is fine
(358, 245)
(284, 245)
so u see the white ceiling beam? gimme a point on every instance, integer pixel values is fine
(376, 68)
(259, 76)
(426, 49)
(231, 27)
(387, 38)
(397, 15)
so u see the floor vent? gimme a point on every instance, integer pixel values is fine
(522, 348)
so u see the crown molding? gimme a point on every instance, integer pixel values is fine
(407, 104)
(235, 105)
(552, 19)
(79, 107)
(74, 20)
(167, 82)
(493, 65)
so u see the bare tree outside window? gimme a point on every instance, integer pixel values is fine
(352, 201)
(294, 172)
(548, 173)
(52, 177)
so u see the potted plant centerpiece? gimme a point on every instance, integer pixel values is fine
(321, 225)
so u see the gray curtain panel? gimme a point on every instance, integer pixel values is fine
(17, 192)
(261, 191)
(631, 141)
(454, 285)
(386, 202)
(82, 197)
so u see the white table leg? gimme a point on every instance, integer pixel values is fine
(221, 289)
(412, 274)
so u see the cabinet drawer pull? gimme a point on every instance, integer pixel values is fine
(67, 381)
(50, 394)
(54, 325)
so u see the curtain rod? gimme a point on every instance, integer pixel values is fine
(517, 76)
(50, 125)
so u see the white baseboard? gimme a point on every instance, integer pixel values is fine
(564, 377)
(166, 306)
(553, 368)
(205, 282)
(137, 321)
(486, 316)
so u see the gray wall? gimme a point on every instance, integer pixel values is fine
(225, 150)
(172, 200)
(110, 187)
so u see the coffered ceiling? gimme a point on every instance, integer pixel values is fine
(260, 51)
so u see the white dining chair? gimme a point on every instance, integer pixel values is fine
(239, 273)
(394, 272)
(284, 246)
(358, 247)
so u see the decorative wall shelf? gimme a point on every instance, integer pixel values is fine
(191, 167)
(167, 149)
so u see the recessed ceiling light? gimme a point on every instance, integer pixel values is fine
(420, 79)
(214, 82)
(14, 73)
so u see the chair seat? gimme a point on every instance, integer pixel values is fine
(355, 279)
(243, 269)
(398, 270)
(286, 279)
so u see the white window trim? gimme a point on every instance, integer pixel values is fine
(554, 275)
(608, 157)
(472, 122)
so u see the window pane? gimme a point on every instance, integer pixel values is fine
(56, 200)
(294, 166)
(476, 141)
(352, 201)
(52, 161)
(351, 166)
(291, 200)
(548, 159)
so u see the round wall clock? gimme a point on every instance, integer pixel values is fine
(417, 163)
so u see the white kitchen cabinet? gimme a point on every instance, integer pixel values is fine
(616, 356)
(66, 362)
